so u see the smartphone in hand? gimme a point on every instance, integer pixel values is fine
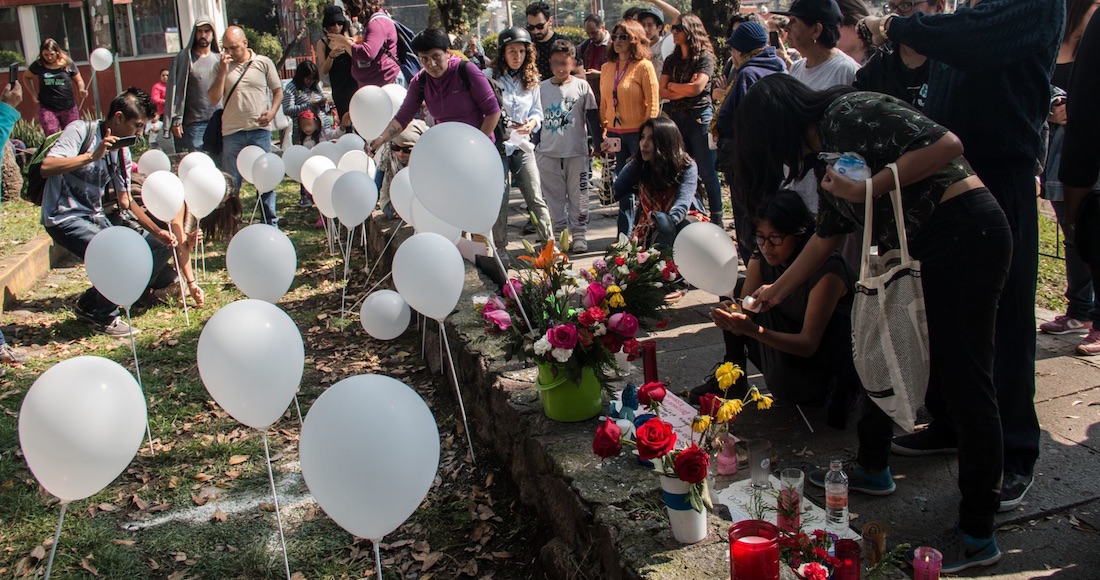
(614, 144)
(123, 142)
(13, 75)
(773, 38)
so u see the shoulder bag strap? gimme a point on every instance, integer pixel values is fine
(899, 220)
(239, 79)
(385, 50)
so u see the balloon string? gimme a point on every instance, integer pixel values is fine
(376, 285)
(377, 558)
(347, 261)
(454, 376)
(202, 244)
(254, 208)
(366, 256)
(56, 535)
(137, 371)
(441, 371)
(183, 289)
(299, 408)
(504, 272)
(378, 259)
(275, 497)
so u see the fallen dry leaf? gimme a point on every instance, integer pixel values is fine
(219, 515)
(267, 506)
(38, 553)
(123, 542)
(86, 563)
(430, 560)
(238, 459)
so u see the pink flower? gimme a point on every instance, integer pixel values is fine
(599, 264)
(493, 312)
(563, 336)
(608, 279)
(594, 296)
(512, 289)
(623, 323)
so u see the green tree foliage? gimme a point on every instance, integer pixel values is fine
(264, 43)
(7, 57)
(258, 15)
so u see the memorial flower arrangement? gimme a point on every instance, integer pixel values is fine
(579, 317)
(717, 413)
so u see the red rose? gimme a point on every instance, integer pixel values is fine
(633, 276)
(654, 438)
(691, 464)
(709, 404)
(606, 442)
(814, 571)
(612, 342)
(620, 261)
(651, 394)
(632, 349)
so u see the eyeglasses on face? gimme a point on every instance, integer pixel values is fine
(538, 26)
(400, 149)
(622, 37)
(901, 7)
(774, 240)
(677, 28)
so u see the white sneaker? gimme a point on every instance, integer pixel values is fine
(579, 246)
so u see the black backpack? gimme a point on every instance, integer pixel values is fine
(34, 184)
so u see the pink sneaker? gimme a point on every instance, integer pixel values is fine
(1063, 324)
(1090, 345)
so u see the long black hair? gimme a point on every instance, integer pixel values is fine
(669, 156)
(769, 132)
(307, 68)
(787, 213)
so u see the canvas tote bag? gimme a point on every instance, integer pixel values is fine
(889, 325)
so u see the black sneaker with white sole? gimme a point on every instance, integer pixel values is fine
(931, 440)
(1013, 490)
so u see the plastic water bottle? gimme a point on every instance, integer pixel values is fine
(836, 498)
(852, 166)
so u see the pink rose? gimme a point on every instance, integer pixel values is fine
(623, 323)
(512, 289)
(493, 312)
(563, 336)
(594, 295)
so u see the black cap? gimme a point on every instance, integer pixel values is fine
(651, 11)
(813, 11)
(333, 15)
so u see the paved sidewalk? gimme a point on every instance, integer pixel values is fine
(1054, 531)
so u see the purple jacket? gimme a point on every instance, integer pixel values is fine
(447, 99)
(371, 62)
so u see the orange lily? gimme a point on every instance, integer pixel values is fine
(545, 260)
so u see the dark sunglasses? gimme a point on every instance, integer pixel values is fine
(676, 28)
(536, 26)
(622, 37)
(399, 149)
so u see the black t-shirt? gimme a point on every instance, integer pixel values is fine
(681, 70)
(542, 57)
(886, 73)
(55, 86)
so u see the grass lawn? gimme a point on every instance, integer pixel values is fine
(201, 507)
(19, 223)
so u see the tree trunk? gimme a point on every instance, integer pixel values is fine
(715, 14)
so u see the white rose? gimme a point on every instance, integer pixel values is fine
(542, 346)
(599, 329)
(623, 270)
(562, 355)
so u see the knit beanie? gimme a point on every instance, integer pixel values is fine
(429, 39)
(748, 37)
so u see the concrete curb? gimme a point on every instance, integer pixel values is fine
(29, 264)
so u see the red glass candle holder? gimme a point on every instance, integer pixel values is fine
(754, 551)
(927, 563)
(849, 568)
(649, 360)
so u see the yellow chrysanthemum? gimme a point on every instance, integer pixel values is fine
(616, 301)
(728, 410)
(727, 374)
(755, 394)
(764, 403)
(700, 423)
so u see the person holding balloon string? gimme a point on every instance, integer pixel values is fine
(77, 175)
(309, 131)
(803, 346)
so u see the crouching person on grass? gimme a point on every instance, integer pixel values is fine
(79, 175)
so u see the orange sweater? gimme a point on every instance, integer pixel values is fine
(638, 96)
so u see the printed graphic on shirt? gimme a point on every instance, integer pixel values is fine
(559, 116)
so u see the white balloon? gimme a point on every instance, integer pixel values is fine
(203, 190)
(371, 110)
(246, 159)
(322, 191)
(162, 195)
(397, 94)
(401, 194)
(153, 160)
(80, 425)
(250, 359)
(261, 261)
(667, 46)
(423, 220)
(101, 59)
(428, 272)
(354, 197)
(328, 149)
(267, 172)
(465, 189)
(119, 264)
(350, 142)
(385, 315)
(293, 158)
(706, 258)
(194, 160)
(313, 168)
(369, 450)
(358, 161)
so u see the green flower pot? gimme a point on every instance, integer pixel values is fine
(566, 401)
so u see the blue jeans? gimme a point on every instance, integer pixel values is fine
(75, 235)
(626, 204)
(231, 147)
(693, 126)
(192, 137)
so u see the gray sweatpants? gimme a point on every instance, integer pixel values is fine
(565, 188)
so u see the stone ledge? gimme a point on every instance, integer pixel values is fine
(30, 263)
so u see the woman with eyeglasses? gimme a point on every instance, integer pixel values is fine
(685, 80)
(803, 346)
(955, 228)
(896, 69)
(628, 97)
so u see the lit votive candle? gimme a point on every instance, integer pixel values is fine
(927, 563)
